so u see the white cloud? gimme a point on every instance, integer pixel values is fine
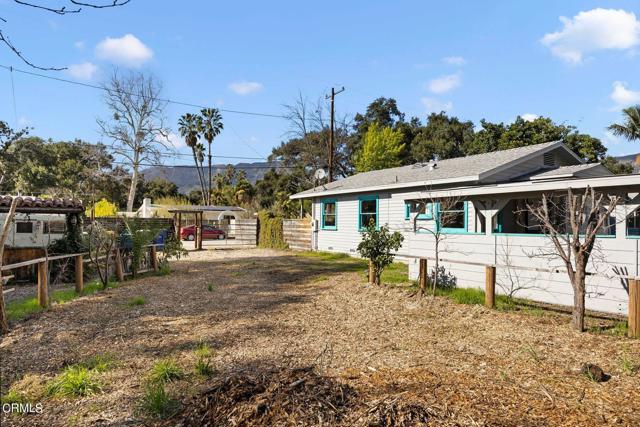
(127, 50)
(24, 121)
(610, 139)
(434, 105)
(454, 60)
(79, 45)
(622, 96)
(529, 117)
(84, 71)
(593, 30)
(245, 88)
(175, 140)
(444, 84)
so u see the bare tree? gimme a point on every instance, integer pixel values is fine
(442, 215)
(101, 242)
(60, 8)
(137, 126)
(4, 328)
(308, 135)
(572, 223)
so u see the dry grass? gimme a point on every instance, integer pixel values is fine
(398, 360)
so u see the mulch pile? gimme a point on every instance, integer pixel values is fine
(295, 397)
(277, 397)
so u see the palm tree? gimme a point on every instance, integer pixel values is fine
(212, 126)
(630, 129)
(189, 127)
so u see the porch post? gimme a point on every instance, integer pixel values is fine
(622, 212)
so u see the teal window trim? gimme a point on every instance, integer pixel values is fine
(454, 230)
(498, 229)
(427, 215)
(428, 212)
(365, 198)
(335, 209)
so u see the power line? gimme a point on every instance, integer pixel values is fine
(168, 101)
(276, 166)
(171, 153)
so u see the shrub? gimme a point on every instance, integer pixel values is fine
(13, 396)
(103, 208)
(166, 370)
(99, 363)
(73, 381)
(377, 246)
(156, 402)
(140, 234)
(203, 365)
(136, 301)
(271, 234)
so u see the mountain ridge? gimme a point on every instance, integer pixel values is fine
(186, 177)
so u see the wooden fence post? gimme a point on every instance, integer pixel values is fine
(79, 274)
(43, 284)
(634, 308)
(423, 275)
(490, 286)
(119, 266)
(154, 258)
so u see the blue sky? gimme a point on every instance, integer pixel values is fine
(577, 62)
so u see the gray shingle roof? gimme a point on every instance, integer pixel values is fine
(458, 169)
(562, 171)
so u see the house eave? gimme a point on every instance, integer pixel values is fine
(378, 188)
(619, 183)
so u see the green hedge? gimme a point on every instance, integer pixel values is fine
(271, 235)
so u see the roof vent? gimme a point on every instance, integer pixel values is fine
(549, 159)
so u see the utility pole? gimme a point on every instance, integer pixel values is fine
(331, 141)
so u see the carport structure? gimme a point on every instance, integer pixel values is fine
(177, 221)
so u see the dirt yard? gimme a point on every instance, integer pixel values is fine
(300, 341)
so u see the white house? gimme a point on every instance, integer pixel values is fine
(214, 213)
(489, 223)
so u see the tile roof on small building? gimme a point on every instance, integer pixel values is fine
(29, 204)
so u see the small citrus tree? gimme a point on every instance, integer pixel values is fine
(378, 246)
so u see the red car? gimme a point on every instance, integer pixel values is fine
(208, 232)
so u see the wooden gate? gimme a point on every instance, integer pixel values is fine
(244, 231)
(297, 233)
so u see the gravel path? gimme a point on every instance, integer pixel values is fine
(260, 309)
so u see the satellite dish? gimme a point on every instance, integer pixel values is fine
(319, 174)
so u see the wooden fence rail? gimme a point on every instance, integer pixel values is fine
(490, 286)
(79, 259)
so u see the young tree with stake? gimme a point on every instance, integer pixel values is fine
(378, 246)
(572, 223)
(442, 212)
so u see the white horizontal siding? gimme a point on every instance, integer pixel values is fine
(613, 257)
